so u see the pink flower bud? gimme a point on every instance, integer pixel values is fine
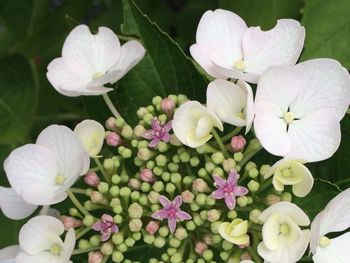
(200, 247)
(245, 245)
(167, 106)
(152, 227)
(238, 143)
(98, 198)
(147, 175)
(245, 256)
(135, 184)
(110, 124)
(187, 197)
(113, 139)
(213, 215)
(200, 185)
(208, 239)
(272, 199)
(70, 222)
(95, 257)
(92, 179)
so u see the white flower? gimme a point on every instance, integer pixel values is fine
(41, 173)
(291, 172)
(334, 218)
(8, 254)
(90, 61)
(193, 123)
(298, 109)
(283, 240)
(91, 134)
(227, 48)
(232, 103)
(40, 241)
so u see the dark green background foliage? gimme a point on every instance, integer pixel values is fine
(32, 33)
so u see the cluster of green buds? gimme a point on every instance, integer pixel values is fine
(222, 194)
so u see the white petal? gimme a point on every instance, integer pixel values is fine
(100, 51)
(327, 85)
(13, 206)
(29, 167)
(290, 209)
(281, 45)
(72, 159)
(304, 187)
(227, 100)
(186, 119)
(68, 246)
(222, 31)
(271, 231)
(249, 108)
(91, 134)
(40, 233)
(8, 254)
(229, 71)
(43, 257)
(315, 137)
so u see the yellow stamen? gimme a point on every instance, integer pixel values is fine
(324, 241)
(55, 249)
(288, 117)
(240, 65)
(284, 229)
(59, 179)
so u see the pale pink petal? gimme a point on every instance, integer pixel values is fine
(183, 215)
(240, 191)
(218, 194)
(167, 127)
(219, 181)
(148, 134)
(105, 236)
(154, 143)
(172, 224)
(165, 202)
(230, 201)
(98, 226)
(177, 201)
(232, 178)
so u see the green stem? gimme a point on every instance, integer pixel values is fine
(76, 202)
(110, 105)
(220, 143)
(102, 169)
(105, 259)
(95, 169)
(82, 251)
(253, 148)
(255, 256)
(83, 232)
(78, 191)
(231, 134)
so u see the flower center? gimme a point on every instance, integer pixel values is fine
(55, 249)
(240, 65)
(284, 229)
(97, 75)
(59, 179)
(286, 172)
(172, 212)
(324, 241)
(288, 117)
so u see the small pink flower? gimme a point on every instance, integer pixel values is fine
(106, 226)
(158, 133)
(228, 189)
(171, 211)
(152, 227)
(168, 106)
(95, 257)
(92, 179)
(238, 143)
(147, 175)
(113, 139)
(200, 247)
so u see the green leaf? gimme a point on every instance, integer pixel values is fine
(18, 98)
(164, 70)
(327, 26)
(263, 13)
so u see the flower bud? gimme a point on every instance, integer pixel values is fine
(200, 247)
(200, 185)
(98, 198)
(134, 183)
(238, 143)
(70, 222)
(153, 197)
(245, 256)
(135, 210)
(167, 105)
(113, 139)
(144, 154)
(253, 186)
(107, 248)
(147, 175)
(95, 257)
(159, 242)
(242, 201)
(152, 227)
(285, 196)
(272, 199)
(187, 197)
(135, 225)
(213, 215)
(208, 239)
(127, 132)
(180, 233)
(111, 124)
(218, 157)
(117, 256)
(229, 164)
(92, 179)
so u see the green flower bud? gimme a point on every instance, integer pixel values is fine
(139, 131)
(156, 100)
(176, 258)
(158, 186)
(229, 164)
(89, 205)
(163, 231)
(227, 245)
(250, 165)
(114, 202)
(142, 144)
(161, 160)
(148, 118)
(173, 167)
(125, 191)
(232, 214)
(136, 236)
(130, 242)
(118, 219)
(184, 157)
(238, 168)
(158, 171)
(88, 220)
(135, 225)
(250, 200)
(213, 215)
(253, 186)
(119, 122)
(115, 179)
(108, 164)
(285, 196)
(210, 201)
(144, 154)
(254, 216)
(272, 199)
(202, 173)
(218, 157)
(118, 238)
(84, 244)
(171, 251)
(162, 147)
(197, 220)
(127, 132)
(174, 242)
(117, 256)
(218, 171)
(153, 197)
(204, 215)
(141, 112)
(148, 239)
(242, 201)
(135, 210)
(217, 239)
(165, 257)
(114, 191)
(181, 99)
(194, 161)
(135, 195)
(181, 233)
(155, 207)
(214, 227)
(143, 200)
(103, 187)
(224, 255)
(170, 188)
(253, 173)
(187, 197)
(264, 169)
(145, 187)
(107, 248)
(208, 255)
(194, 207)
(159, 242)
(150, 164)
(95, 240)
(124, 178)
(238, 156)
(201, 199)
(122, 247)
(190, 225)
(209, 166)
(175, 178)
(153, 260)
(127, 153)
(118, 209)
(174, 140)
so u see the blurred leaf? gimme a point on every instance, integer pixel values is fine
(327, 26)
(18, 98)
(263, 13)
(164, 70)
